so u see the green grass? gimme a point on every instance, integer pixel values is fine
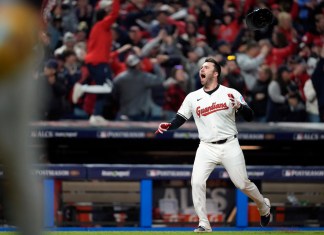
(181, 233)
(189, 232)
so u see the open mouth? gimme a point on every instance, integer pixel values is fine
(202, 75)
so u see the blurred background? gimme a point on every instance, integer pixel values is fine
(94, 137)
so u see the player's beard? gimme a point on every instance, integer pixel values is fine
(208, 82)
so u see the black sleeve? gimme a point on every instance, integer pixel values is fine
(317, 75)
(177, 122)
(246, 112)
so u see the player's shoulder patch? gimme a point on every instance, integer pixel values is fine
(242, 100)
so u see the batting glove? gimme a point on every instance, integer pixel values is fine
(164, 126)
(235, 103)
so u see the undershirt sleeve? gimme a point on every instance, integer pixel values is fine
(246, 112)
(176, 122)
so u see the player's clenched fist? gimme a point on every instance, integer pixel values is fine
(235, 103)
(164, 126)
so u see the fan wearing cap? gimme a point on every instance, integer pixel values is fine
(98, 57)
(165, 21)
(132, 90)
(69, 41)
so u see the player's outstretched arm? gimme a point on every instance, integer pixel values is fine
(174, 124)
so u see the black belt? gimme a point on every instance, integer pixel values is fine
(222, 141)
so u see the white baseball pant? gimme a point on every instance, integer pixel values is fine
(229, 155)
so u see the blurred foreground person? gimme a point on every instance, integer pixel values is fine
(19, 36)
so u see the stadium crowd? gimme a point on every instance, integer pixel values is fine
(137, 59)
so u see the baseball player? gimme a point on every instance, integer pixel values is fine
(213, 108)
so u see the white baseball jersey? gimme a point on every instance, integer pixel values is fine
(214, 115)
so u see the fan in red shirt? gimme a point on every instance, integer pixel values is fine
(98, 52)
(279, 52)
(230, 28)
(285, 26)
(316, 36)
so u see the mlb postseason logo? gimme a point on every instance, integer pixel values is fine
(152, 173)
(121, 134)
(168, 173)
(313, 173)
(286, 173)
